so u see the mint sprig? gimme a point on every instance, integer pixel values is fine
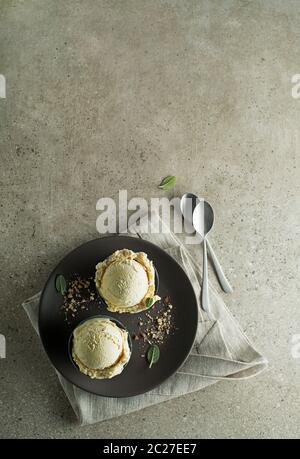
(168, 182)
(153, 354)
(60, 284)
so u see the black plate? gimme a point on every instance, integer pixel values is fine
(136, 378)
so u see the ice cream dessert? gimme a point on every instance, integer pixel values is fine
(100, 348)
(126, 281)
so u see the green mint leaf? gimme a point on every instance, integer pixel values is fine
(167, 182)
(60, 284)
(153, 354)
(149, 302)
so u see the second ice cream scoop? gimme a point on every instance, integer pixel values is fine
(100, 348)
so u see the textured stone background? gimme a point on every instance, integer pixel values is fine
(109, 95)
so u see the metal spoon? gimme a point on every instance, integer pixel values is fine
(188, 203)
(203, 220)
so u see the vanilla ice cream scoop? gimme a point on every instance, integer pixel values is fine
(126, 280)
(100, 348)
(124, 283)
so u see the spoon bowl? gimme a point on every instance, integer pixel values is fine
(203, 218)
(188, 203)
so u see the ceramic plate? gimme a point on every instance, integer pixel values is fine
(137, 377)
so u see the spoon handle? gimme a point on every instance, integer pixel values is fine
(219, 271)
(205, 294)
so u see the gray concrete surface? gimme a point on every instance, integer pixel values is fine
(109, 95)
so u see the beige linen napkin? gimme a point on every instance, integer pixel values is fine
(221, 349)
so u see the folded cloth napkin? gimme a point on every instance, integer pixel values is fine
(221, 349)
